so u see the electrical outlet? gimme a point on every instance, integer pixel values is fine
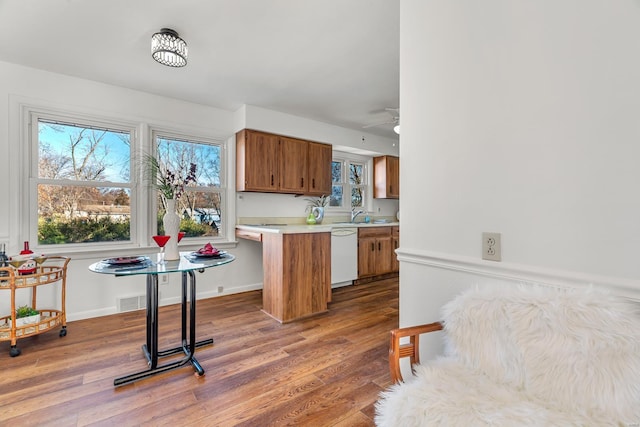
(491, 247)
(164, 279)
(220, 289)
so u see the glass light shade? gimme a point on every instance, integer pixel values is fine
(169, 49)
(396, 129)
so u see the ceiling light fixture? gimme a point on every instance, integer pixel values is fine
(169, 49)
(396, 129)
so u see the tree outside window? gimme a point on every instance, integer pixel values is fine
(348, 179)
(200, 207)
(83, 183)
(85, 177)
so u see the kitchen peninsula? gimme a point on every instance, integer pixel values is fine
(297, 269)
(296, 261)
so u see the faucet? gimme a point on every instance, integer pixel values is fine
(354, 214)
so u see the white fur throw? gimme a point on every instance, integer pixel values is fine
(532, 356)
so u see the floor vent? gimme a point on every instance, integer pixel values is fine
(132, 303)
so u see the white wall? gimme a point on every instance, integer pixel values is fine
(90, 294)
(519, 118)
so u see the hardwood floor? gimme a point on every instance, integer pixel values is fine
(323, 371)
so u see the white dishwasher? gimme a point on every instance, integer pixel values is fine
(344, 256)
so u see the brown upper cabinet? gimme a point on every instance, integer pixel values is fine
(256, 161)
(294, 166)
(277, 164)
(386, 177)
(320, 156)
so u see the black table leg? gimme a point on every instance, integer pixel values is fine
(189, 344)
(150, 350)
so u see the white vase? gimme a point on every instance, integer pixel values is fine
(26, 320)
(171, 223)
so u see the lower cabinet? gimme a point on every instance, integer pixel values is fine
(376, 246)
(395, 244)
(297, 274)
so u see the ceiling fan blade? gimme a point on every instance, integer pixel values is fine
(386, 122)
(393, 120)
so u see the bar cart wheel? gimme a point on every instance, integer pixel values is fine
(14, 351)
(63, 332)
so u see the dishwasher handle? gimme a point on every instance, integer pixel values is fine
(342, 232)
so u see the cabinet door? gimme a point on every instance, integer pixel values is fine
(320, 156)
(393, 177)
(256, 161)
(367, 254)
(395, 244)
(386, 177)
(297, 274)
(293, 165)
(383, 260)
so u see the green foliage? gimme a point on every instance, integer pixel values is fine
(81, 230)
(52, 231)
(194, 229)
(320, 202)
(191, 228)
(25, 311)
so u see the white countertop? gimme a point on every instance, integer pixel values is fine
(304, 228)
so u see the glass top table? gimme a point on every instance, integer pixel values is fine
(148, 266)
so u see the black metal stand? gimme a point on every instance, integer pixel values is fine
(188, 347)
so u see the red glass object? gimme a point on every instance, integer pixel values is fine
(161, 240)
(26, 250)
(180, 235)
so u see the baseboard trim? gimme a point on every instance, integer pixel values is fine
(370, 279)
(519, 273)
(165, 301)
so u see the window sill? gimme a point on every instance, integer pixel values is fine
(78, 253)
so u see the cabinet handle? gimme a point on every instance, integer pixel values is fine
(272, 179)
(373, 247)
(313, 183)
(301, 182)
(379, 248)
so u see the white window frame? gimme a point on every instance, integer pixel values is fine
(346, 159)
(168, 133)
(30, 227)
(24, 171)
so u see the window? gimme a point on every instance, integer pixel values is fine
(200, 207)
(86, 187)
(82, 182)
(349, 183)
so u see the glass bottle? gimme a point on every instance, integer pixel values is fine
(3, 259)
(28, 267)
(26, 250)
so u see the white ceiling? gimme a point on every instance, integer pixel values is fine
(335, 61)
